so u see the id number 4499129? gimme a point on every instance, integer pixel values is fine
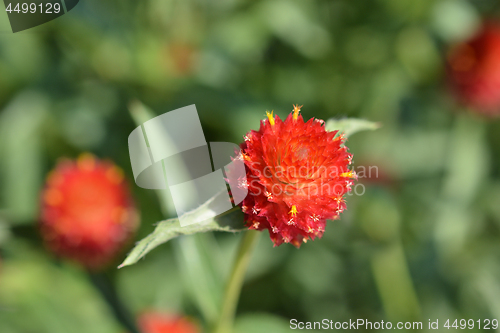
(42, 8)
(484, 324)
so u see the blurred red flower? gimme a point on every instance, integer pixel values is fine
(183, 57)
(474, 70)
(157, 322)
(87, 213)
(297, 175)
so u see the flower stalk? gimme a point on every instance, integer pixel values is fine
(235, 282)
(106, 288)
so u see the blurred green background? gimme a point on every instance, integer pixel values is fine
(422, 242)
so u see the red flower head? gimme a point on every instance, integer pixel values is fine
(156, 322)
(87, 213)
(474, 70)
(297, 175)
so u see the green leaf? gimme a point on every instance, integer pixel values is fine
(166, 230)
(349, 126)
(21, 130)
(27, 291)
(201, 273)
(261, 322)
(4, 229)
(198, 257)
(140, 114)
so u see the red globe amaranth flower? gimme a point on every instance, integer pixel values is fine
(87, 213)
(297, 175)
(156, 322)
(474, 70)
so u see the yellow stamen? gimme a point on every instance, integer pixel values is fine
(296, 110)
(349, 174)
(293, 211)
(270, 117)
(86, 162)
(114, 174)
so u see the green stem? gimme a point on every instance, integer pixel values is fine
(235, 282)
(109, 294)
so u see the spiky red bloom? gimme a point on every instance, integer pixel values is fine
(87, 213)
(474, 70)
(297, 175)
(157, 322)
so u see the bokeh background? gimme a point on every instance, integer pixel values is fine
(422, 242)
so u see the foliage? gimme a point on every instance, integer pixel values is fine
(420, 242)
